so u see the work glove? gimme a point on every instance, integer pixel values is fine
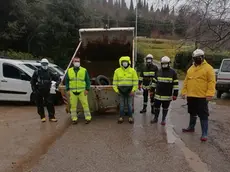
(174, 98)
(139, 87)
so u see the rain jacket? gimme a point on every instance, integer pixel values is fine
(166, 84)
(147, 74)
(200, 81)
(125, 80)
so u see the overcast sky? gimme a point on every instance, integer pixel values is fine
(158, 3)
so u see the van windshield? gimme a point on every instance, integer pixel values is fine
(30, 66)
(225, 66)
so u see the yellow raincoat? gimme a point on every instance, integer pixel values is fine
(200, 81)
(125, 77)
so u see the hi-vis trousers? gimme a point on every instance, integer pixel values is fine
(73, 105)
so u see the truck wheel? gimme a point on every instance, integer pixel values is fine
(218, 94)
(102, 80)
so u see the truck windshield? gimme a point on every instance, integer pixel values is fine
(225, 66)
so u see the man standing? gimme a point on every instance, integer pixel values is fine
(125, 83)
(41, 83)
(77, 86)
(199, 88)
(145, 81)
(166, 89)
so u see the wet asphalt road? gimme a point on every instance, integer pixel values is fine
(106, 146)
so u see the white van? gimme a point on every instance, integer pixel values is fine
(223, 78)
(34, 64)
(15, 82)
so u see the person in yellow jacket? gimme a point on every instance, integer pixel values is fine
(125, 83)
(199, 88)
(77, 86)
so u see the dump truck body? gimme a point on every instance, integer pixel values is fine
(100, 50)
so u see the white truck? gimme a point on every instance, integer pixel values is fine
(223, 78)
(100, 50)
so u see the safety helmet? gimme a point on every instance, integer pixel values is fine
(44, 61)
(149, 56)
(197, 53)
(165, 59)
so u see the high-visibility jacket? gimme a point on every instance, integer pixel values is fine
(77, 81)
(166, 84)
(125, 80)
(146, 76)
(200, 81)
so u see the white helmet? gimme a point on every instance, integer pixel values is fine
(149, 56)
(44, 60)
(197, 53)
(165, 59)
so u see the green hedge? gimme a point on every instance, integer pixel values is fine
(183, 60)
(20, 55)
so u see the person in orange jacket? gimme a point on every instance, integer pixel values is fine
(199, 88)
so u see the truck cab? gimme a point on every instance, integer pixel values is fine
(223, 78)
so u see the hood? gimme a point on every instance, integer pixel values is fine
(127, 58)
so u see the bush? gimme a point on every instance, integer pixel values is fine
(183, 60)
(20, 55)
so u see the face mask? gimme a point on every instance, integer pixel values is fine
(125, 64)
(165, 65)
(149, 61)
(45, 67)
(76, 64)
(198, 60)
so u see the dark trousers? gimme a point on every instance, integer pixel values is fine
(44, 98)
(126, 101)
(145, 95)
(165, 105)
(198, 107)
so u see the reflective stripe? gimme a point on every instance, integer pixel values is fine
(149, 73)
(163, 79)
(77, 79)
(176, 81)
(153, 85)
(80, 88)
(140, 78)
(145, 87)
(176, 87)
(154, 80)
(158, 97)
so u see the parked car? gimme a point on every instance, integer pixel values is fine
(223, 78)
(15, 82)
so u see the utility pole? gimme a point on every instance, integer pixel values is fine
(135, 59)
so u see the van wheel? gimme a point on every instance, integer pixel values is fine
(218, 94)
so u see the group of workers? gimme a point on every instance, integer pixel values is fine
(161, 84)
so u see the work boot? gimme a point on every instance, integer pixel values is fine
(157, 112)
(152, 110)
(43, 120)
(164, 114)
(191, 127)
(53, 119)
(120, 120)
(87, 121)
(204, 128)
(74, 122)
(144, 109)
(131, 120)
(155, 120)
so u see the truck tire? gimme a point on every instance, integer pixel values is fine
(102, 80)
(218, 94)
